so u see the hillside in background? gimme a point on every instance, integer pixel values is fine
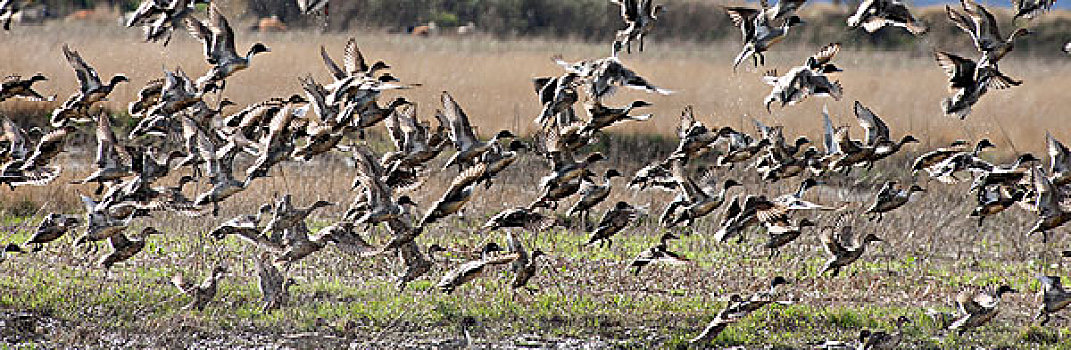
(596, 20)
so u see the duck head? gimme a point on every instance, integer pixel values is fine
(908, 138)
(778, 281)
(537, 253)
(405, 200)
(257, 48)
(504, 134)
(611, 173)
(118, 78)
(640, 104)
(622, 206)
(1005, 289)
(594, 157)
(793, 21)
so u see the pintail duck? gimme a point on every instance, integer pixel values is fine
(603, 117)
(148, 96)
(10, 248)
(695, 138)
(1053, 298)
(243, 225)
(217, 37)
(697, 200)
(613, 221)
(654, 175)
(525, 266)
(1059, 161)
(1008, 174)
(842, 249)
(565, 169)
(755, 210)
(14, 86)
(658, 254)
(177, 94)
(160, 18)
(802, 81)
(976, 307)
(741, 147)
(34, 169)
(219, 164)
(415, 142)
(944, 163)
(200, 294)
(465, 253)
(299, 246)
(872, 15)
(640, 17)
(91, 90)
(969, 81)
(124, 248)
(286, 218)
(991, 200)
(325, 129)
(759, 33)
(1050, 214)
(274, 285)
(782, 232)
(557, 96)
(604, 75)
(416, 263)
(929, 159)
(882, 340)
(52, 228)
(379, 204)
(983, 29)
(889, 197)
(353, 63)
(877, 134)
(17, 141)
(274, 147)
(591, 194)
(456, 196)
(738, 308)
(347, 240)
(551, 195)
(469, 148)
(498, 159)
(518, 217)
(1030, 9)
(470, 270)
(101, 222)
(113, 160)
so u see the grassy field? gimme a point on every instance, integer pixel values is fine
(587, 296)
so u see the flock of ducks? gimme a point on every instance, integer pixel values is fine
(178, 126)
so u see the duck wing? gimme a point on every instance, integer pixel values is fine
(331, 65)
(876, 129)
(223, 36)
(460, 129)
(353, 59)
(1059, 155)
(87, 76)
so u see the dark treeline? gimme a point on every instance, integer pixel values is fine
(596, 20)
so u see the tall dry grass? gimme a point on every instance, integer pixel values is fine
(492, 79)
